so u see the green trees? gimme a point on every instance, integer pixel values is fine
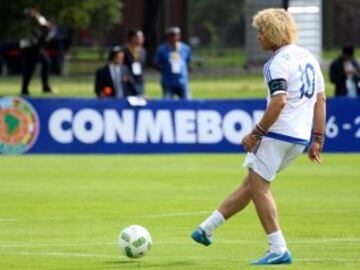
(222, 20)
(96, 15)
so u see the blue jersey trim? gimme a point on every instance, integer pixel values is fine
(266, 71)
(268, 75)
(287, 138)
(267, 66)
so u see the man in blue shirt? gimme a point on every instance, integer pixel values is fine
(172, 59)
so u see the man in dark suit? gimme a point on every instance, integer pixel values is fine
(113, 79)
(345, 74)
(32, 50)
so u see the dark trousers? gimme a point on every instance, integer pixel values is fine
(30, 56)
(181, 90)
(139, 89)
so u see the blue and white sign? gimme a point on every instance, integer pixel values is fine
(114, 126)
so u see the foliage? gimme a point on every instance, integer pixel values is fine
(219, 19)
(93, 14)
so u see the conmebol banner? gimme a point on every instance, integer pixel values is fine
(84, 126)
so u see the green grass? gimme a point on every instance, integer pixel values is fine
(213, 57)
(84, 60)
(220, 87)
(65, 212)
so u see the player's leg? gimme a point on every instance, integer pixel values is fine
(234, 203)
(268, 215)
(267, 211)
(271, 156)
(265, 207)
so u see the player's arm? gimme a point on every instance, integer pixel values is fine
(318, 128)
(278, 101)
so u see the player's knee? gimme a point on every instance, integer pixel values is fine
(257, 186)
(254, 189)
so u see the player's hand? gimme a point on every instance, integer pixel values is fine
(249, 142)
(32, 12)
(349, 72)
(314, 152)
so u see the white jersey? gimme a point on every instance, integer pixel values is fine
(294, 71)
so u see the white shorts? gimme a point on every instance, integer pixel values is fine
(271, 156)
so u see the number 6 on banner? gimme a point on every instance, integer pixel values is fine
(331, 129)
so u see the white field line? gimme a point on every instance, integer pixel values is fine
(327, 260)
(182, 214)
(56, 254)
(44, 218)
(19, 245)
(189, 242)
(92, 255)
(323, 240)
(296, 241)
(329, 211)
(162, 215)
(7, 219)
(175, 214)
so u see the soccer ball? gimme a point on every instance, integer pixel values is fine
(135, 241)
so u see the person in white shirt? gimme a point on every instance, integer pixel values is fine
(296, 107)
(135, 58)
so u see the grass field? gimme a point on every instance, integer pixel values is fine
(65, 212)
(220, 87)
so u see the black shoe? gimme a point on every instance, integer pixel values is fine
(25, 93)
(47, 90)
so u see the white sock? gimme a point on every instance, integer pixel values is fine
(277, 242)
(212, 222)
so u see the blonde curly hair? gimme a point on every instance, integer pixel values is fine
(277, 25)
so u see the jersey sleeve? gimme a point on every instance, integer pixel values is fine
(320, 83)
(276, 72)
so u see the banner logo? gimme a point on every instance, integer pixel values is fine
(19, 125)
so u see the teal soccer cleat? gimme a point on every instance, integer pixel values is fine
(200, 236)
(274, 258)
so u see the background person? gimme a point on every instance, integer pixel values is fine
(32, 51)
(345, 73)
(112, 80)
(282, 133)
(173, 59)
(135, 57)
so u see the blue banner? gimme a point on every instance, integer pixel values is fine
(85, 126)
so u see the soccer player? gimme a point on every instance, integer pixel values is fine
(296, 106)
